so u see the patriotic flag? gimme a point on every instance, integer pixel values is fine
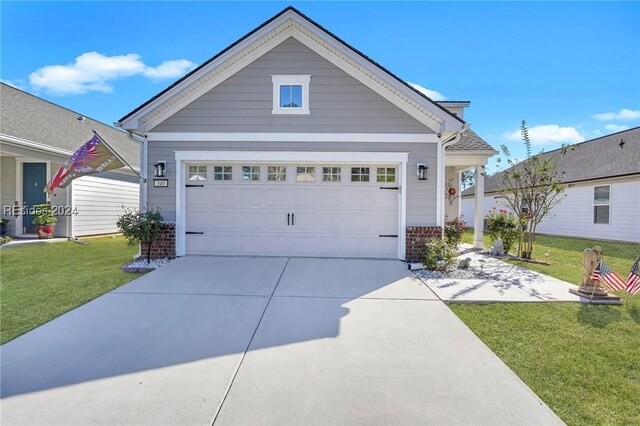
(611, 280)
(94, 156)
(633, 282)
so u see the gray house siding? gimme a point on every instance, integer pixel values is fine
(421, 195)
(338, 102)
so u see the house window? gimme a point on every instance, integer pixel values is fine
(251, 173)
(290, 94)
(197, 172)
(386, 174)
(305, 174)
(360, 174)
(601, 204)
(331, 174)
(276, 173)
(222, 173)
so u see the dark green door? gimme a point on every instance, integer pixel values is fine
(34, 179)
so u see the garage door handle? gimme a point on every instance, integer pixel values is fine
(288, 218)
(293, 218)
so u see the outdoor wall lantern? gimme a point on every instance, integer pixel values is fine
(160, 168)
(422, 171)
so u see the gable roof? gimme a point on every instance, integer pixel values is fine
(300, 22)
(470, 142)
(598, 158)
(31, 119)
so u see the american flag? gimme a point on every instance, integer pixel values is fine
(633, 282)
(611, 280)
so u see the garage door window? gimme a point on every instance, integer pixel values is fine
(197, 172)
(386, 174)
(305, 174)
(360, 174)
(276, 173)
(251, 173)
(331, 174)
(222, 173)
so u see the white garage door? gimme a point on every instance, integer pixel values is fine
(292, 210)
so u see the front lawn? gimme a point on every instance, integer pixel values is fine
(582, 360)
(43, 281)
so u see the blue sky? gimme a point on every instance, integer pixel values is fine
(572, 70)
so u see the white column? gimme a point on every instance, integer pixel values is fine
(478, 215)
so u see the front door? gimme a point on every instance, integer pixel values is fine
(34, 179)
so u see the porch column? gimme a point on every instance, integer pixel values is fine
(478, 215)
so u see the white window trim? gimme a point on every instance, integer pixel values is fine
(596, 204)
(397, 158)
(287, 80)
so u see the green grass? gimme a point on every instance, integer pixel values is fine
(565, 255)
(582, 360)
(43, 281)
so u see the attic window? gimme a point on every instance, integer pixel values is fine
(291, 94)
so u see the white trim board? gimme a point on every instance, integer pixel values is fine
(292, 137)
(182, 157)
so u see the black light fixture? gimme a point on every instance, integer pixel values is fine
(160, 168)
(422, 171)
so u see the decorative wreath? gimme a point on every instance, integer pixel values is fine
(452, 191)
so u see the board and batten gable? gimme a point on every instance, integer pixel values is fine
(338, 104)
(573, 217)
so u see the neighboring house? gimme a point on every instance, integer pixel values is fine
(36, 138)
(291, 142)
(603, 194)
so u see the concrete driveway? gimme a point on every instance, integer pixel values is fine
(239, 340)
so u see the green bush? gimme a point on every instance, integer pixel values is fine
(504, 225)
(44, 215)
(438, 255)
(5, 240)
(453, 231)
(141, 227)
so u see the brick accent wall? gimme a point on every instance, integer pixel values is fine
(416, 236)
(164, 245)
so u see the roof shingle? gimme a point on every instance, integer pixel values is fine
(598, 158)
(28, 117)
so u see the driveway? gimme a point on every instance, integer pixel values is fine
(240, 340)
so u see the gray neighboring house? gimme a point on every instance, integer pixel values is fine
(603, 196)
(36, 138)
(290, 142)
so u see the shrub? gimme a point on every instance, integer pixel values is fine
(504, 225)
(438, 255)
(141, 227)
(453, 231)
(5, 240)
(44, 215)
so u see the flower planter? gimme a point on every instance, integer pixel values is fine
(45, 231)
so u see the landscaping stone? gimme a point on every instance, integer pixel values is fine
(143, 265)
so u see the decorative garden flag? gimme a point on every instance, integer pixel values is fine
(633, 282)
(94, 156)
(611, 280)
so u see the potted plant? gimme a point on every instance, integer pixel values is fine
(3, 227)
(44, 221)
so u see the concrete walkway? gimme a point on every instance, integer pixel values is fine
(215, 340)
(501, 282)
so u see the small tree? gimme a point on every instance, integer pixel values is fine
(141, 227)
(531, 189)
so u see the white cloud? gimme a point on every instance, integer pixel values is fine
(432, 94)
(547, 134)
(615, 127)
(92, 71)
(623, 115)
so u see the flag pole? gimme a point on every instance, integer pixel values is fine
(113, 151)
